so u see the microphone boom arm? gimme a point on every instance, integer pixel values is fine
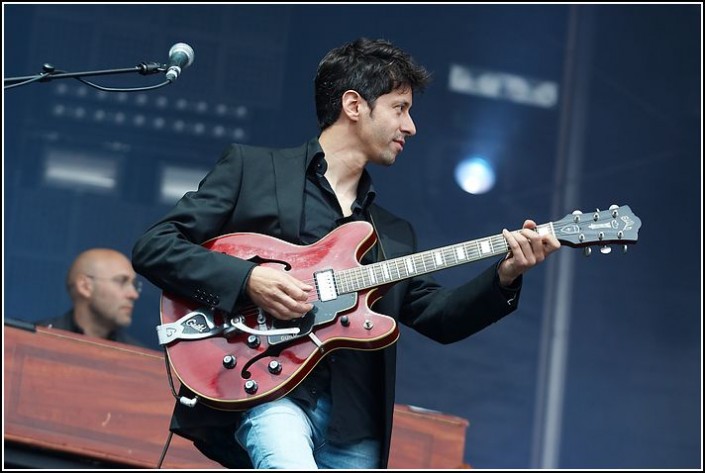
(144, 68)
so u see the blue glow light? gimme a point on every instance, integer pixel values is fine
(475, 175)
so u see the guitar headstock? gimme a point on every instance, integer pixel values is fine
(617, 225)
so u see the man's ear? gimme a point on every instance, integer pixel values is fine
(353, 104)
(84, 286)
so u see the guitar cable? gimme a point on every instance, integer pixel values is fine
(176, 396)
(166, 447)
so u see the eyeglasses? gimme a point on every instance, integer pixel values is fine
(123, 281)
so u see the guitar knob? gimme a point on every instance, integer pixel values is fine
(253, 341)
(229, 361)
(274, 367)
(345, 321)
(251, 386)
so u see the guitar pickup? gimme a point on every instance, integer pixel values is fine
(195, 325)
(325, 285)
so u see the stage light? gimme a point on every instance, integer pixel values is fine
(77, 169)
(475, 175)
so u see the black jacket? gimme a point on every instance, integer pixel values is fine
(261, 190)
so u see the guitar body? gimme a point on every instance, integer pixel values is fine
(236, 370)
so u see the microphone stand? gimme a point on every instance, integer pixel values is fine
(49, 73)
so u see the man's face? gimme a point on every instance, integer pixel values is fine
(386, 127)
(114, 294)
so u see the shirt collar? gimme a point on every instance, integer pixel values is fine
(314, 155)
(317, 165)
(365, 190)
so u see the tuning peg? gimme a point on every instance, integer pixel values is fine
(624, 249)
(614, 209)
(605, 250)
(587, 251)
(596, 215)
(576, 216)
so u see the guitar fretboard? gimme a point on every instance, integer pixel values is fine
(404, 267)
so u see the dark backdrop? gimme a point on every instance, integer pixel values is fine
(625, 130)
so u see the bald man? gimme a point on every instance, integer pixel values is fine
(103, 287)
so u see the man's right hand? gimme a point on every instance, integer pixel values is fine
(278, 293)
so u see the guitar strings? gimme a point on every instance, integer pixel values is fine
(389, 271)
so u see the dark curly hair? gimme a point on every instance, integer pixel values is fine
(371, 68)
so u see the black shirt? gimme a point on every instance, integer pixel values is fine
(67, 322)
(352, 377)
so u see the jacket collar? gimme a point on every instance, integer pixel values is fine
(290, 176)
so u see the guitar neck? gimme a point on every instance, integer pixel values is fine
(417, 264)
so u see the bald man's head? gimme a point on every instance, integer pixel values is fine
(94, 262)
(103, 287)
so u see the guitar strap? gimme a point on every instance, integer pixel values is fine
(381, 256)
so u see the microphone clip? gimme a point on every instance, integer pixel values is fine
(146, 68)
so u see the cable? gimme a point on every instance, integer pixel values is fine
(33, 79)
(176, 396)
(166, 447)
(114, 89)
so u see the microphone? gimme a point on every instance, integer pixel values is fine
(180, 57)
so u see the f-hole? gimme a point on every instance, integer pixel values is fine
(259, 260)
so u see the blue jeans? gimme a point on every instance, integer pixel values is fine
(285, 435)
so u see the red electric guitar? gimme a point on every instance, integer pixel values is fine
(234, 361)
